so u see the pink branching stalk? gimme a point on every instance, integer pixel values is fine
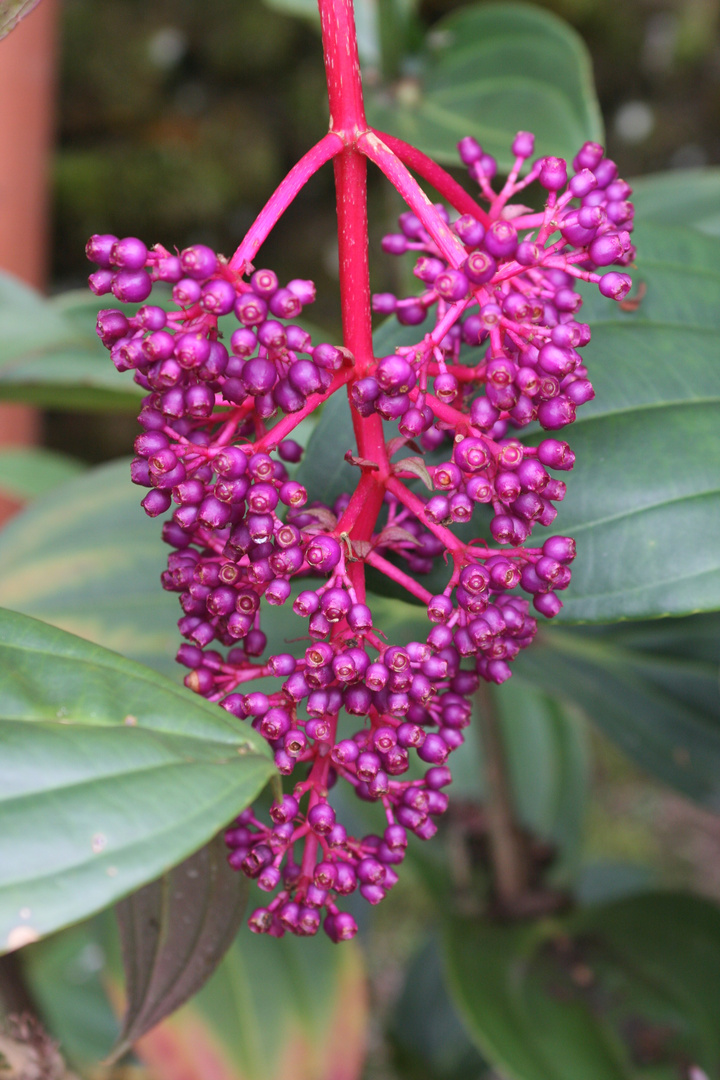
(496, 349)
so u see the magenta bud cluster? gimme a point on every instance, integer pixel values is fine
(497, 350)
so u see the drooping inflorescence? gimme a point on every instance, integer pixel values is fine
(497, 348)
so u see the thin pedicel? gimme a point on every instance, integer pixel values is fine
(496, 349)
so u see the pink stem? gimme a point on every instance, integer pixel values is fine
(281, 198)
(282, 429)
(448, 243)
(389, 570)
(441, 180)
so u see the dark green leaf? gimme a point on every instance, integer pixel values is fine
(87, 559)
(652, 687)
(681, 196)
(325, 476)
(429, 1042)
(626, 991)
(645, 478)
(12, 11)
(174, 932)
(490, 70)
(110, 775)
(29, 471)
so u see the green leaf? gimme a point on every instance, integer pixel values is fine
(645, 478)
(273, 1009)
(490, 70)
(111, 774)
(325, 478)
(55, 360)
(548, 762)
(174, 932)
(428, 1039)
(86, 558)
(626, 991)
(12, 11)
(652, 687)
(681, 196)
(29, 471)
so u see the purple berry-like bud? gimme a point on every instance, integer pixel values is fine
(384, 303)
(501, 239)
(452, 284)
(471, 454)
(99, 248)
(606, 249)
(556, 413)
(323, 553)
(100, 283)
(615, 286)
(321, 818)
(250, 309)
(547, 604)
(523, 144)
(218, 297)
(199, 262)
(556, 454)
(303, 289)
(469, 150)
(186, 292)
(479, 267)
(470, 230)
(132, 286)
(561, 548)
(129, 254)
(553, 174)
(434, 750)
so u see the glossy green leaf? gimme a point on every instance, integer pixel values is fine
(644, 495)
(652, 687)
(86, 558)
(490, 70)
(174, 932)
(29, 471)
(626, 991)
(680, 197)
(111, 774)
(12, 11)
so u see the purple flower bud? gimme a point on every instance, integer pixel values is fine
(132, 286)
(553, 174)
(523, 145)
(479, 267)
(321, 818)
(198, 261)
(323, 553)
(469, 150)
(218, 297)
(452, 284)
(501, 239)
(615, 286)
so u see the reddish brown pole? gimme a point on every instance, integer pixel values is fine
(27, 91)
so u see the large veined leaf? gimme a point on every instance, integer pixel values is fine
(174, 932)
(111, 774)
(626, 991)
(52, 360)
(274, 1008)
(86, 558)
(490, 70)
(681, 197)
